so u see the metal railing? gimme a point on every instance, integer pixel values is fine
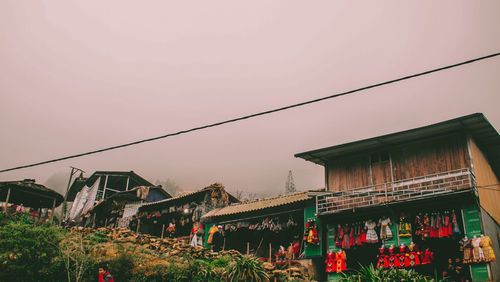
(402, 190)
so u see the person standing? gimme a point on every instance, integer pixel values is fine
(218, 239)
(104, 275)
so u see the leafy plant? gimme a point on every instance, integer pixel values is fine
(247, 269)
(27, 251)
(370, 273)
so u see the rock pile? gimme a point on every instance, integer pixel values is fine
(177, 247)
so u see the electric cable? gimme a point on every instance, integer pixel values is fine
(254, 115)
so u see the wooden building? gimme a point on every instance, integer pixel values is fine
(118, 209)
(261, 226)
(30, 194)
(453, 165)
(183, 210)
(110, 182)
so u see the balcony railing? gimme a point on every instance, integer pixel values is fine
(398, 191)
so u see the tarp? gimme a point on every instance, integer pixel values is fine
(84, 200)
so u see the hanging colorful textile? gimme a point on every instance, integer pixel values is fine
(486, 244)
(404, 228)
(385, 230)
(371, 234)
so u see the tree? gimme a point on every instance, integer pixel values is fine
(290, 186)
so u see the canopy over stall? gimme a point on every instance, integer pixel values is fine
(30, 194)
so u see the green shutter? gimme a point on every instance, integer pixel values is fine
(472, 222)
(312, 251)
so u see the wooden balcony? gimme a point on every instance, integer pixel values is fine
(399, 191)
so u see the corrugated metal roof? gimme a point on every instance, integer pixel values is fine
(259, 204)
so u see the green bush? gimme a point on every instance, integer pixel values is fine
(27, 251)
(247, 269)
(370, 273)
(121, 267)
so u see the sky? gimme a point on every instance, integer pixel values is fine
(77, 76)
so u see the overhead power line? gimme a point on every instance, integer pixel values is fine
(254, 115)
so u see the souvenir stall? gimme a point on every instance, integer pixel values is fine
(179, 216)
(266, 236)
(422, 237)
(271, 228)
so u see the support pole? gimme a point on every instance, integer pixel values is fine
(53, 211)
(106, 223)
(270, 253)
(7, 200)
(224, 245)
(162, 229)
(138, 225)
(248, 248)
(93, 220)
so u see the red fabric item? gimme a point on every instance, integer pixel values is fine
(340, 261)
(101, 277)
(427, 257)
(363, 235)
(352, 240)
(330, 262)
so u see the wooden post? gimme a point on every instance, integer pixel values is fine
(53, 211)
(93, 220)
(7, 200)
(138, 224)
(270, 253)
(162, 229)
(106, 223)
(224, 244)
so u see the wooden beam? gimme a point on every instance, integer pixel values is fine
(52, 212)
(7, 200)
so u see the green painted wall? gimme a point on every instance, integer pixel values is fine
(472, 222)
(313, 251)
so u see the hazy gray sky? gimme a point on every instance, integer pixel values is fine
(82, 75)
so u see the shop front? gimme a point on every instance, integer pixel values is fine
(440, 236)
(272, 229)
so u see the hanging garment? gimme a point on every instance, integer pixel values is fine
(466, 245)
(454, 221)
(385, 230)
(330, 262)
(445, 225)
(382, 258)
(477, 252)
(412, 256)
(402, 256)
(426, 226)
(371, 234)
(393, 261)
(339, 236)
(340, 259)
(427, 257)
(363, 234)
(404, 227)
(489, 254)
(419, 225)
(352, 240)
(346, 239)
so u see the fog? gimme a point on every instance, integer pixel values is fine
(77, 76)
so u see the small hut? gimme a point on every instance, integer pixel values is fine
(29, 194)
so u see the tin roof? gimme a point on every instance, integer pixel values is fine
(260, 204)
